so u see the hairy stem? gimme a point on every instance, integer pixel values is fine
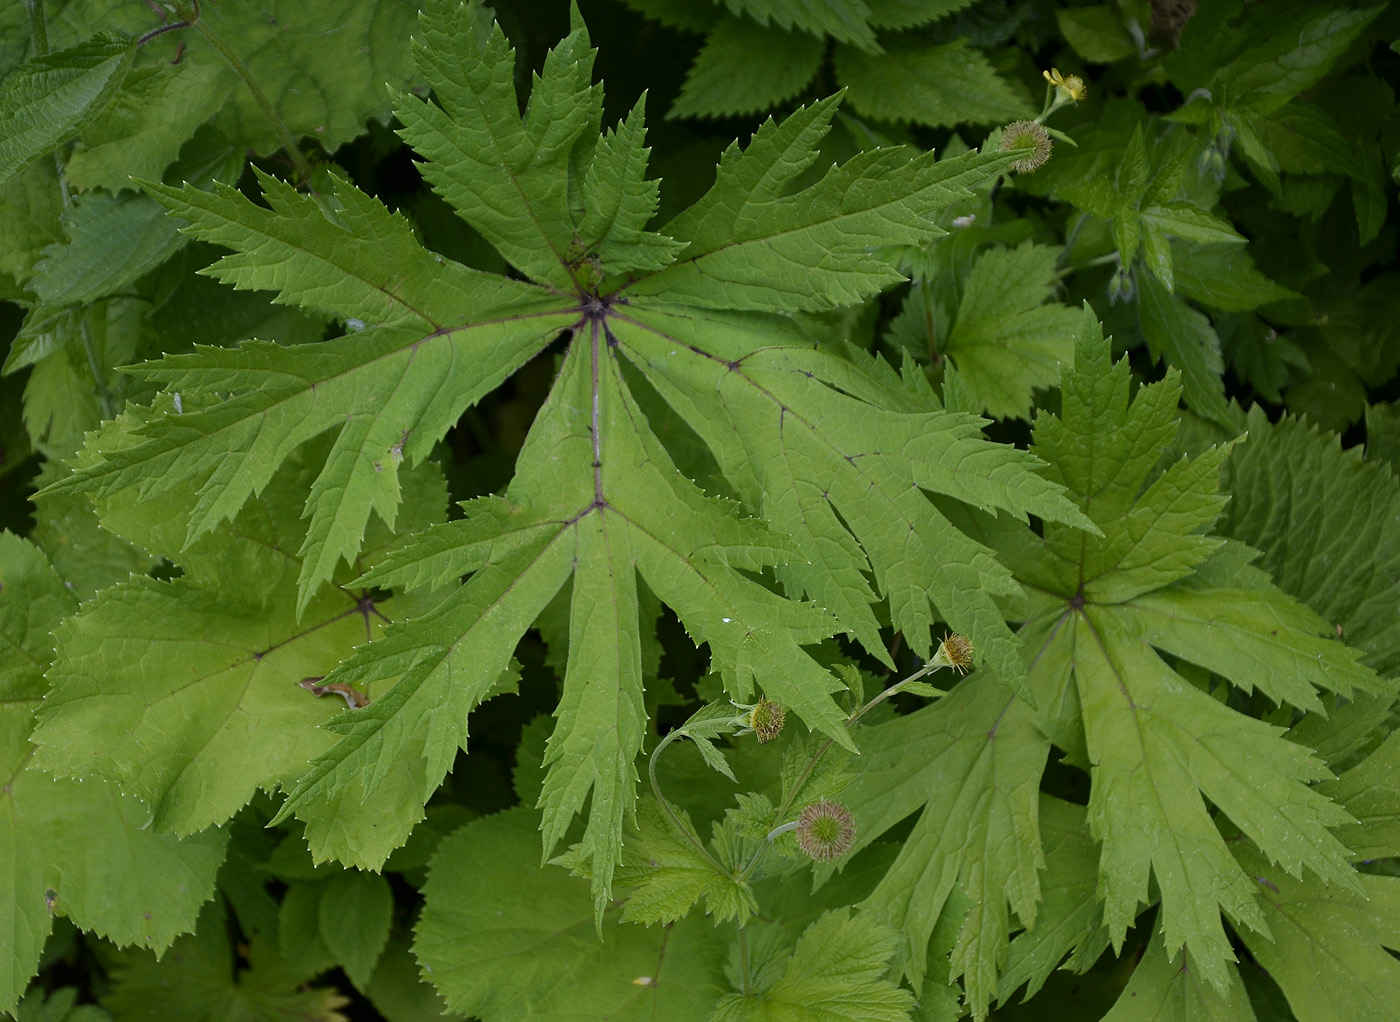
(1103, 260)
(99, 376)
(747, 980)
(39, 32)
(797, 785)
(670, 811)
(191, 14)
(38, 26)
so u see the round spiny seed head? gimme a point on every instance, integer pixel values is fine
(766, 719)
(825, 830)
(1029, 139)
(957, 650)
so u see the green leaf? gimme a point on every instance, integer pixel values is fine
(1190, 223)
(1296, 51)
(48, 100)
(618, 201)
(325, 77)
(300, 944)
(113, 241)
(30, 205)
(1371, 794)
(689, 15)
(1186, 339)
(1006, 341)
(970, 764)
(1223, 278)
(1153, 741)
(1328, 947)
(752, 245)
(843, 20)
(197, 980)
(232, 654)
(909, 13)
(1069, 918)
(928, 83)
(283, 403)
(1096, 33)
(1328, 524)
(141, 132)
(355, 912)
(81, 850)
(1164, 988)
(662, 874)
(725, 79)
(837, 972)
(824, 446)
(502, 939)
(398, 992)
(509, 179)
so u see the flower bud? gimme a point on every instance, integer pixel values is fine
(1068, 88)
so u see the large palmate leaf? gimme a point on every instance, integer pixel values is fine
(1106, 613)
(971, 765)
(1109, 614)
(80, 850)
(832, 463)
(188, 692)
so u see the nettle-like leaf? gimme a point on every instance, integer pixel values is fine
(725, 79)
(832, 461)
(324, 76)
(924, 82)
(201, 978)
(1112, 618)
(1328, 525)
(1004, 340)
(46, 100)
(78, 849)
(189, 693)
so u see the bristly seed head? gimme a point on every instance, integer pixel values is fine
(1029, 139)
(957, 651)
(825, 830)
(766, 719)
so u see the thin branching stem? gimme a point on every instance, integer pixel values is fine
(670, 810)
(746, 980)
(801, 781)
(189, 12)
(38, 26)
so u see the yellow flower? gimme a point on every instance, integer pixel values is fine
(1070, 86)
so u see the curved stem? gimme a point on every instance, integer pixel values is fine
(786, 807)
(670, 810)
(38, 27)
(746, 979)
(39, 32)
(284, 136)
(1103, 260)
